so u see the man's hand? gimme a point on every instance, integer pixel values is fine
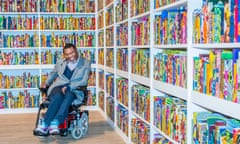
(64, 90)
(43, 85)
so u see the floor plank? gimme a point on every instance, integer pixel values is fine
(18, 128)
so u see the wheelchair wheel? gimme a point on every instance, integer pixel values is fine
(76, 133)
(84, 123)
(64, 132)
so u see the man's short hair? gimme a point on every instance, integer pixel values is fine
(70, 45)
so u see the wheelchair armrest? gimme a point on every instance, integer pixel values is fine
(77, 103)
(43, 90)
(44, 104)
(82, 88)
(85, 92)
(44, 93)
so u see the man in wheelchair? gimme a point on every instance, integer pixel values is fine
(63, 85)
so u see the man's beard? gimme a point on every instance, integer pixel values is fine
(72, 61)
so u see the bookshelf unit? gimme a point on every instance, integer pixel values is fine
(134, 41)
(32, 35)
(165, 42)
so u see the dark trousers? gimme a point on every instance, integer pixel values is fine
(59, 105)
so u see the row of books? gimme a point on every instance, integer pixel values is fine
(25, 99)
(170, 66)
(122, 119)
(109, 36)
(217, 23)
(140, 99)
(170, 116)
(10, 40)
(140, 132)
(110, 58)
(22, 99)
(101, 100)
(19, 22)
(81, 39)
(122, 35)
(31, 22)
(110, 108)
(82, 6)
(110, 84)
(101, 56)
(122, 59)
(101, 79)
(47, 6)
(47, 40)
(18, 6)
(67, 23)
(122, 91)
(160, 139)
(92, 78)
(25, 57)
(215, 128)
(121, 9)
(24, 80)
(108, 2)
(216, 73)
(141, 31)
(14, 57)
(109, 16)
(139, 6)
(91, 101)
(170, 27)
(141, 62)
(160, 3)
(100, 20)
(100, 4)
(101, 38)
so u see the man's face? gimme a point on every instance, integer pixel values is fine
(70, 54)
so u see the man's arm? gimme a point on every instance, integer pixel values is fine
(52, 76)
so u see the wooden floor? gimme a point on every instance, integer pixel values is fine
(18, 129)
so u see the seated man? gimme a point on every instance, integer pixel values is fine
(67, 75)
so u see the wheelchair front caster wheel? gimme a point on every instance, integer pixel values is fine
(77, 133)
(64, 134)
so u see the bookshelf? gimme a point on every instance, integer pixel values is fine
(168, 41)
(32, 34)
(133, 42)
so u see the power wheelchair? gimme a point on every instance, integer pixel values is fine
(77, 121)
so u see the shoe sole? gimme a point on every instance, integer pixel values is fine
(54, 132)
(40, 133)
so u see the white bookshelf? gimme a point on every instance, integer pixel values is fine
(196, 102)
(18, 110)
(36, 69)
